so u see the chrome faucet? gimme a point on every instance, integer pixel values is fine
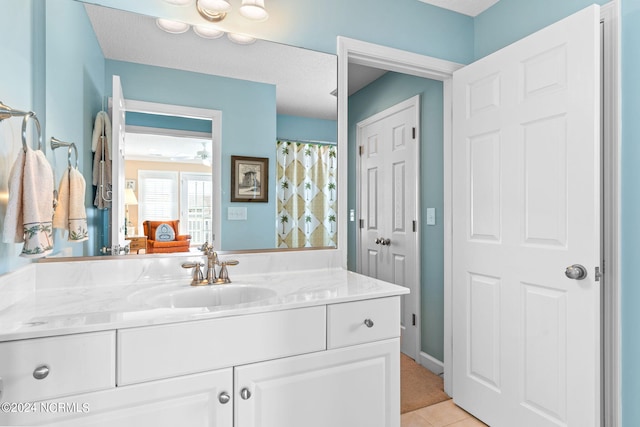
(212, 261)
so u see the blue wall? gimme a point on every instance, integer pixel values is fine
(295, 128)
(385, 92)
(74, 95)
(18, 75)
(407, 24)
(630, 212)
(510, 20)
(248, 129)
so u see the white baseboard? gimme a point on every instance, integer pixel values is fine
(431, 363)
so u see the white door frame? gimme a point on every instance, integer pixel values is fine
(132, 105)
(415, 102)
(364, 53)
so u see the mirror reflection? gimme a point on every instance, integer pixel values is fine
(264, 93)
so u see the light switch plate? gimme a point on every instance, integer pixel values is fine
(431, 216)
(236, 214)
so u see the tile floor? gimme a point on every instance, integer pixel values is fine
(440, 415)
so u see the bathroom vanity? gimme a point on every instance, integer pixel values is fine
(314, 348)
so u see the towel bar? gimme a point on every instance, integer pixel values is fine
(56, 143)
(7, 112)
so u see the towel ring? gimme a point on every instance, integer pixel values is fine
(25, 121)
(56, 143)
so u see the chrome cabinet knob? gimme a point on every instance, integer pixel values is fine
(41, 372)
(245, 394)
(224, 397)
(368, 323)
(576, 272)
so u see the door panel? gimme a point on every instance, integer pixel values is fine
(526, 204)
(388, 206)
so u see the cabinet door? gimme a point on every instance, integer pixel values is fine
(192, 400)
(347, 387)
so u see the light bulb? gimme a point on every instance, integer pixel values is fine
(173, 27)
(215, 5)
(240, 38)
(207, 32)
(254, 10)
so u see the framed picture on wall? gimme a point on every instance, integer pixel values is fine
(249, 179)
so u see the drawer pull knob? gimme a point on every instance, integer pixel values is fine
(41, 372)
(368, 323)
(224, 397)
(245, 394)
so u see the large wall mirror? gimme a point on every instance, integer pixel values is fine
(264, 100)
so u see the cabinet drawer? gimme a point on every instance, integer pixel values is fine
(164, 351)
(76, 364)
(363, 321)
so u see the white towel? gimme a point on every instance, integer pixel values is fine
(30, 208)
(102, 171)
(102, 126)
(12, 231)
(70, 213)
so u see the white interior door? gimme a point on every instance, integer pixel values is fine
(526, 204)
(117, 166)
(388, 177)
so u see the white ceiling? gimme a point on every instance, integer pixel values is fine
(131, 37)
(466, 7)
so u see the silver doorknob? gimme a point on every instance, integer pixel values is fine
(245, 393)
(378, 241)
(224, 397)
(576, 272)
(41, 372)
(386, 242)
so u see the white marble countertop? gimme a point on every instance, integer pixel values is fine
(62, 311)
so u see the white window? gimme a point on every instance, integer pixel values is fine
(158, 196)
(196, 206)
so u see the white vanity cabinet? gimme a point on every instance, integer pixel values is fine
(352, 386)
(326, 365)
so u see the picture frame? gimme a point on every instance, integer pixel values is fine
(249, 179)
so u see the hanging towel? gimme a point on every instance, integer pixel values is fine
(12, 231)
(102, 126)
(30, 208)
(70, 213)
(102, 164)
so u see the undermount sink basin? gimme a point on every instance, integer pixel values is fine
(211, 295)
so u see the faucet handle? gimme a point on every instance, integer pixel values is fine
(198, 277)
(223, 276)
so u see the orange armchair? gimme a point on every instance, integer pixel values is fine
(163, 237)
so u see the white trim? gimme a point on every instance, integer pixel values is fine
(611, 189)
(363, 53)
(431, 363)
(216, 136)
(415, 102)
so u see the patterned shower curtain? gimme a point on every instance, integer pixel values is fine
(307, 199)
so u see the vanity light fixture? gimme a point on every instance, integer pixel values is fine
(173, 27)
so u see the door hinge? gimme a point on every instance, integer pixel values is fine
(413, 133)
(362, 223)
(415, 225)
(598, 274)
(413, 319)
(361, 150)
